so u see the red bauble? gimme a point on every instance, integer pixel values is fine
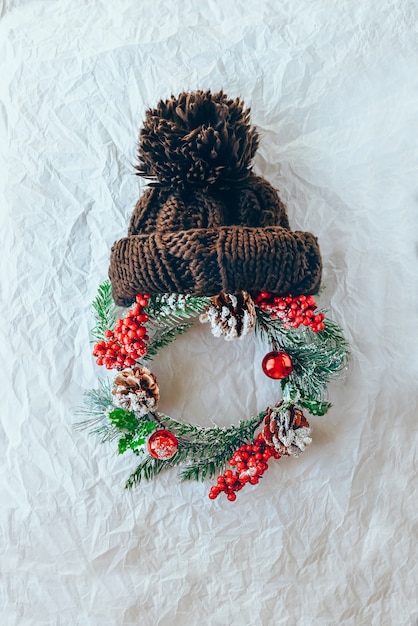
(277, 364)
(163, 445)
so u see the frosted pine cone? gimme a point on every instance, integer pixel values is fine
(230, 315)
(286, 430)
(137, 390)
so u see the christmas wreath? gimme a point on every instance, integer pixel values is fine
(209, 240)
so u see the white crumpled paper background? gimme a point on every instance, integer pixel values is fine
(329, 538)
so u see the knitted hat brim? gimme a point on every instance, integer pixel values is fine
(208, 261)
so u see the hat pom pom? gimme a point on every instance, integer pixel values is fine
(198, 138)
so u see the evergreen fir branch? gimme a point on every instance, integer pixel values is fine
(205, 468)
(269, 330)
(209, 440)
(208, 467)
(205, 450)
(97, 404)
(317, 357)
(97, 401)
(96, 426)
(162, 338)
(150, 467)
(167, 310)
(146, 470)
(167, 319)
(104, 311)
(318, 361)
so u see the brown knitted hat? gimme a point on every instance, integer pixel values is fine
(207, 223)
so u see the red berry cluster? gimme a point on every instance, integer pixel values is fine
(251, 461)
(126, 343)
(294, 311)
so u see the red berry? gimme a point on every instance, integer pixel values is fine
(231, 497)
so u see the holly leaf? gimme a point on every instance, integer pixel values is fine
(123, 419)
(315, 407)
(133, 441)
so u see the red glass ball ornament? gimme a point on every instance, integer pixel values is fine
(163, 445)
(277, 364)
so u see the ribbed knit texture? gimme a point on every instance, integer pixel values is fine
(215, 233)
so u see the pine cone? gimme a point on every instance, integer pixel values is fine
(137, 390)
(286, 429)
(230, 315)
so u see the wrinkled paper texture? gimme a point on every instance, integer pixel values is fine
(329, 538)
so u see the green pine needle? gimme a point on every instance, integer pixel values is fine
(317, 357)
(162, 338)
(97, 404)
(169, 309)
(104, 311)
(204, 450)
(146, 470)
(170, 315)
